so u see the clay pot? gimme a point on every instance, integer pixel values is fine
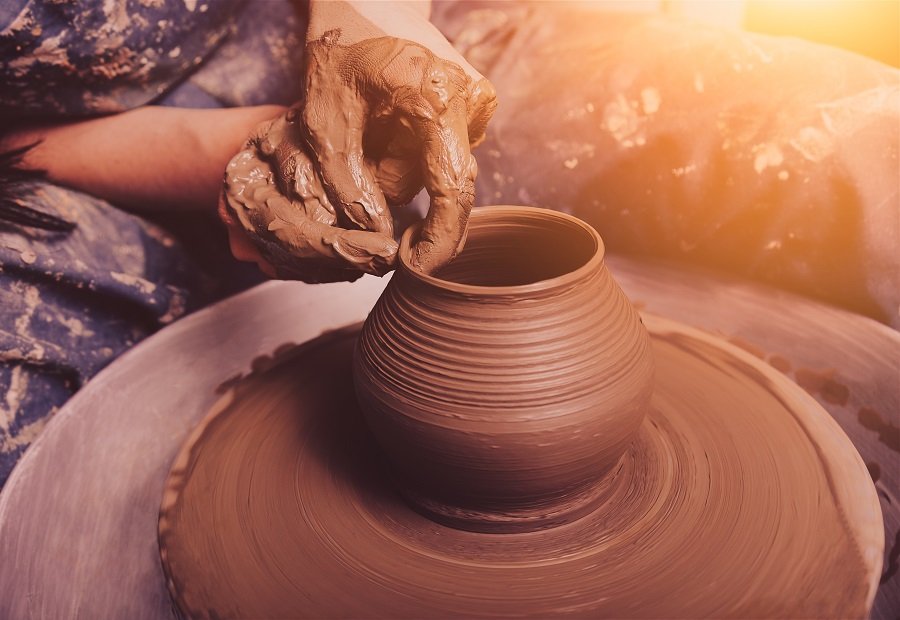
(505, 387)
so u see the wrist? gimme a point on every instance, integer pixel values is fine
(220, 134)
(360, 20)
(366, 20)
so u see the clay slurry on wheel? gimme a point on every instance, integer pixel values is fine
(279, 505)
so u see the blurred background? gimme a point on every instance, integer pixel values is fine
(868, 27)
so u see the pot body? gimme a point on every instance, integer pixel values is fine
(502, 406)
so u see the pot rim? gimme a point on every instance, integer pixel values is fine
(565, 279)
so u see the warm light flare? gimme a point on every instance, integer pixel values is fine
(869, 27)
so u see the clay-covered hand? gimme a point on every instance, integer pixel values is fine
(390, 107)
(386, 116)
(279, 215)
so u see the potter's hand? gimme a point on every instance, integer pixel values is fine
(385, 114)
(391, 107)
(279, 216)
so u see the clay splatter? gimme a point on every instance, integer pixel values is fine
(822, 383)
(780, 363)
(893, 560)
(874, 471)
(888, 434)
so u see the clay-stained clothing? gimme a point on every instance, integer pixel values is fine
(69, 58)
(71, 302)
(80, 58)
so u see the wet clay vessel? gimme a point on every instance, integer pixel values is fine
(505, 387)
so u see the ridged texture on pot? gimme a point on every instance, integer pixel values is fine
(501, 409)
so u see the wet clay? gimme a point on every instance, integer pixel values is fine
(274, 191)
(407, 120)
(503, 389)
(382, 118)
(738, 497)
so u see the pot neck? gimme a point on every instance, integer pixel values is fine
(510, 240)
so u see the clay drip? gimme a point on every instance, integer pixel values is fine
(504, 390)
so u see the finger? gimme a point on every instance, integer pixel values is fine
(396, 151)
(242, 249)
(275, 152)
(449, 173)
(482, 104)
(296, 237)
(240, 244)
(334, 116)
(278, 143)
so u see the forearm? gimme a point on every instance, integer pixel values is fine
(364, 20)
(359, 20)
(151, 158)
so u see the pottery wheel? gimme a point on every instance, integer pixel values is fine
(79, 515)
(740, 497)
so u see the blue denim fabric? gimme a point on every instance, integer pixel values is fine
(71, 302)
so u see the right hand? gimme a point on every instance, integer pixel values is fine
(387, 116)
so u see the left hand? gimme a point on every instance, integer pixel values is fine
(279, 217)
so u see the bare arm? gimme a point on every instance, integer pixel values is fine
(147, 159)
(392, 18)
